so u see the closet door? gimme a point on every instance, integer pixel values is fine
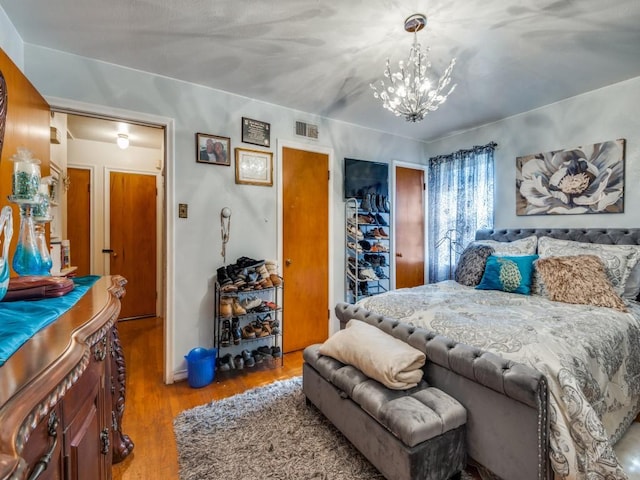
(410, 227)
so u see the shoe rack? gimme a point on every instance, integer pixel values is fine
(367, 242)
(248, 321)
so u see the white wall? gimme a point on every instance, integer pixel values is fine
(208, 188)
(605, 114)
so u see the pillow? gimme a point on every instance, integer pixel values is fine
(618, 260)
(580, 279)
(378, 355)
(471, 265)
(523, 246)
(632, 287)
(509, 274)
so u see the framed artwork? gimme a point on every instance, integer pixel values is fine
(587, 179)
(213, 149)
(254, 167)
(256, 132)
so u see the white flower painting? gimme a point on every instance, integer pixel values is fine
(579, 180)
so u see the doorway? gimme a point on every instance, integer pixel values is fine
(409, 226)
(306, 250)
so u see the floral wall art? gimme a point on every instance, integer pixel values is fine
(587, 179)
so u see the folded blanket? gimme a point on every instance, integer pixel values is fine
(390, 361)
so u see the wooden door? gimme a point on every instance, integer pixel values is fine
(79, 219)
(305, 225)
(133, 240)
(409, 222)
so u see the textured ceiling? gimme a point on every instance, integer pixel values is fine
(320, 56)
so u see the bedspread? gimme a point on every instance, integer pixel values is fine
(590, 356)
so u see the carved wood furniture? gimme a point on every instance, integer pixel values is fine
(62, 394)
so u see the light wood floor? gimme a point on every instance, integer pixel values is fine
(151, 405)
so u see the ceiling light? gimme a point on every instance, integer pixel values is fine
(123, 140)
(414, 91)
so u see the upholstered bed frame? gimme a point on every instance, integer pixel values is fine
(507, 423)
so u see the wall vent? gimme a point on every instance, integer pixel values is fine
(307, 130)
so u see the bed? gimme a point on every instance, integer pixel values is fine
(581, 364)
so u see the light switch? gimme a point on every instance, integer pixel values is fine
(182, 210)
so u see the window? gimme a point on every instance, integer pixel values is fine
(460, 201)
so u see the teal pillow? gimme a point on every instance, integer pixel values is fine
(511, 274)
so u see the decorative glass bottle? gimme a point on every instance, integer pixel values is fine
(6, 227)
(41, 216)
(25, 186)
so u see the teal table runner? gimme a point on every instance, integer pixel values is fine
(20, 320)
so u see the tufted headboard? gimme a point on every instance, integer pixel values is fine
(608, 236)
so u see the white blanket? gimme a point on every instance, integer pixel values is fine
(378, 355)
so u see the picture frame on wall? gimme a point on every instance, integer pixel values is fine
(254, 167)
(213, 149)
(256, 132)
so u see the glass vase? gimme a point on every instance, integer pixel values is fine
(27, 259)
(6, 228)
(43, 249)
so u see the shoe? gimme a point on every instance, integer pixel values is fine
(366, 246)
(239, 362)
(247, 262)
(228, 359)
(382, 233)
(271, 305)
(248, 332)
(380, 273)
(365, 204)
(237, 309)
(223, 364)
(225, 333)
(355, 247)
(364, 219)
(250, 302)
(355, 232)
(223, 277)
(236, 333)
(266, 352)
(276, 352)
(385, 203)
(249, 362)
(368, 274)
(380, 220)
(275, 327)
(225, 309)
(275, 280)
(257, 356)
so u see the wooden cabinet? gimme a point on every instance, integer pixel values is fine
(62, 395)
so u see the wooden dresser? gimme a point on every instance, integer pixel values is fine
(62, 394)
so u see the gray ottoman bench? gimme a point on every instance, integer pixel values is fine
(406, 434)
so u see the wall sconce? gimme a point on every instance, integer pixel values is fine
(123, 140)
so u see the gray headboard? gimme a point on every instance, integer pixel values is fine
(609, 236)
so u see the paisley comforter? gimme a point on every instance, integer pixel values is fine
(590, 356)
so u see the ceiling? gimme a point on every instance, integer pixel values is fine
(103, 130)
(320, 56)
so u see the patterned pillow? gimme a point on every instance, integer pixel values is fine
(509, 274)
(580, 279)
(523, 246)
(618, 260)
(471, 265)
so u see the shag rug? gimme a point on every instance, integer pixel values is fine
(267, 432)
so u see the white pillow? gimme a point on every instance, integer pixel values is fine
(632, 287)
(523, 246)
(619, 260)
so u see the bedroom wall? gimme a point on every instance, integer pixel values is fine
(605, 114)
(206, 188)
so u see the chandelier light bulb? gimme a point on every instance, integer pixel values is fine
(413, 91)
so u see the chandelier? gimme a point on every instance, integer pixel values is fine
(414, 91)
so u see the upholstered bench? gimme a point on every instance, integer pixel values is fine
(406, 434)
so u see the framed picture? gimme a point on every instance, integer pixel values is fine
(254, 167)
(213, 149)
(585, 179)
(256, 132)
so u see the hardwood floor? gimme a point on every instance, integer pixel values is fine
(151, 405)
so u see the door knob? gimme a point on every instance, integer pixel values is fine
(287, 262)
(398, 255)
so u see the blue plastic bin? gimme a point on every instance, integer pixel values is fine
(201, 366)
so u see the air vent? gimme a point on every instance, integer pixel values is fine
(307, 130)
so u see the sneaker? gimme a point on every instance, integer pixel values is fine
(257, 356)
(223, 364)
(380, 220)
(248, 332)
(239, 362)
(249, 362)
(354, 246)
(247, 262)
(382, 233)
(276, 352)
(228, 359)
(380, 273)
(225, 333)
(265, 351)
(366, 246)
(250, 302)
